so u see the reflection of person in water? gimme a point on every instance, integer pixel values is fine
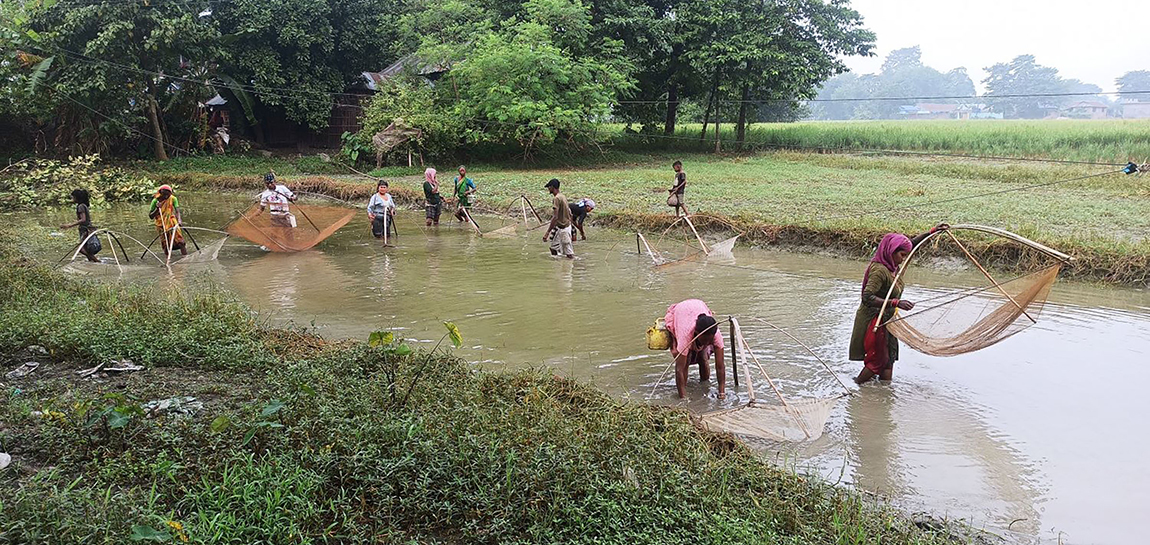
(914, 442)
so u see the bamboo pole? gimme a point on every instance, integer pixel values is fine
(697, 237)
(793, 338)
(988, 277)
(533, 210)
(746, 368)
(470, 219)
(794, 414)
(114, 255)
(734, 352)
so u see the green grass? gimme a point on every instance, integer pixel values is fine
(303, 441)
(1110, 141)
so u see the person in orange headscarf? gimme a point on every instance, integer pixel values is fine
(165, 210)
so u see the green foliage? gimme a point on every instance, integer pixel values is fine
(413, 103)
(94, 323)
(293, 54)
(354, 146)
(47, 182)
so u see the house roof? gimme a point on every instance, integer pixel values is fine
(936, 108)
(1088, 104)
(374, 79)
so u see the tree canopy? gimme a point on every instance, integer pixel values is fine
(126, 76)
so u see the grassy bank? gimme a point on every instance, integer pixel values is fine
(291, 439)
(839, 202)
(1106, 140)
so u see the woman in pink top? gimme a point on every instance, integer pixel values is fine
(694, 337)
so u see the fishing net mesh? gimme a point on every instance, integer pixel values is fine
(313, 224)
(509, 231)
(205, 253)
(957, 323)
(725, 247)
(787, 420)
(798, 420)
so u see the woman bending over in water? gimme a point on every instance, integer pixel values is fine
(694, 337)
(875, 347)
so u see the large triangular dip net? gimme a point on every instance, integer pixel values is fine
(308, 225)
(791, 419)
(960, 321)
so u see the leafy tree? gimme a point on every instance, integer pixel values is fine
(294, 54)
(1023, 76)
(903, 74)
(758, 51)
(108, 70)
(530, 80)
(1137, 80)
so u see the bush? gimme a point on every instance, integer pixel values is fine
(48, 182)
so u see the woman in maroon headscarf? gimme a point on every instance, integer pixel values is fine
(874, 347)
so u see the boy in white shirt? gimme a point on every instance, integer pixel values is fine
(276, 197)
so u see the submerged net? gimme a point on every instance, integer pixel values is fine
(798, 420)
(313, 224)
(205, 253)
(725, 247)
(787, 420)
(962, 322)
(510, 231)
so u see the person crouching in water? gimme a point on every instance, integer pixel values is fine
(91, 246)
(694, 337)
(165, 209)
(434, 206)
(276, 198)
(559, 232)
(381, 210)
(870, 341)
(579, 211)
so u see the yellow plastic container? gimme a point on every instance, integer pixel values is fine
(658, 338)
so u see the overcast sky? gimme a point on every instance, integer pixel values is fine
(1093, 41)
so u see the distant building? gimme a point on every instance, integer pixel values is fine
(1135, 109)
(927, 110)
(1087, 109)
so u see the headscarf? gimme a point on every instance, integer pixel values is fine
(157, 195)
(429, 175)
(586, 202)
(890, 244)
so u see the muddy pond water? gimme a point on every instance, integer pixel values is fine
(1043, 437)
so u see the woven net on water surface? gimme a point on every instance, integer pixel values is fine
(974, 319)
(313, 225)
(798, 420)
(206, 253)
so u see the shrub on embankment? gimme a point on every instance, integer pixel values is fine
(303, 441)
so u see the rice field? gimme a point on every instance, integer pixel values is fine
(1104, 140)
